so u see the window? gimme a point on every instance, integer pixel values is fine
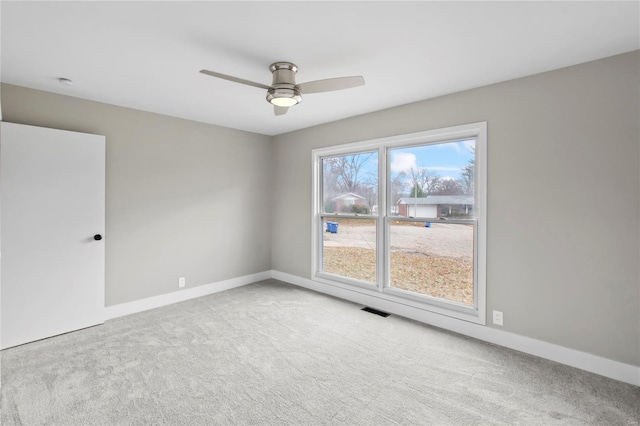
(402, 219)
(349, 192)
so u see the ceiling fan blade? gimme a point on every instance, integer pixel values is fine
(331, 84)
(280, 110)
(235, 79)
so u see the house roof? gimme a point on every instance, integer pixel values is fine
(438, 199)
(347, 195)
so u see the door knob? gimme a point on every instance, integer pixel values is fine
(97, 237)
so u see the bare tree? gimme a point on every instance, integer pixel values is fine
(398, 186)
(369, 189)
(425, 179)
(467, 177)
(449, 187)
(348, 171)
(329, 185)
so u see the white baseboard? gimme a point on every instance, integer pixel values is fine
(595, 364)
(129, 308)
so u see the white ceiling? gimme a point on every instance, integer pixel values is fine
(146, 55)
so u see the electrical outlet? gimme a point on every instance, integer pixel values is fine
(182, 281)
(497, 317)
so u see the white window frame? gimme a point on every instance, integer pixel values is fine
(475, 313)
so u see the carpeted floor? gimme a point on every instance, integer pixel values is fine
(275, 354)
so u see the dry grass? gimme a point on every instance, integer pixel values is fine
(445, 277)
(353, 262)
(438, 276)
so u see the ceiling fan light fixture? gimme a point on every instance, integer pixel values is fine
(284, 96)
(284, 102)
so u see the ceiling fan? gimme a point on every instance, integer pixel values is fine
(284, 92)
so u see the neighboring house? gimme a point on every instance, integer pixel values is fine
(345, 202)
(435, 206)
(374, 209)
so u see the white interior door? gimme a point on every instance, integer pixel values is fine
(53, 204)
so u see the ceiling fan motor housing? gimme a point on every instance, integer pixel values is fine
(283, 72)
(283, 91)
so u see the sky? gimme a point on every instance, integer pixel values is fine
(445, 159)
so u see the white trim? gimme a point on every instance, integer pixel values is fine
(136, 306)
(418, 138)
(316, 202)
(480, 213)
(595, 364)
(476, 131)
(435, 305)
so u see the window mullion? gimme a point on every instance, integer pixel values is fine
(381, 270)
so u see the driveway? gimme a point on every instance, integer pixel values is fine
(441, 239)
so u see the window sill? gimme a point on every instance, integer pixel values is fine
(399, 297)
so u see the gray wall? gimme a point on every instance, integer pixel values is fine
(210, 203)
(567, 139)
(183, 198)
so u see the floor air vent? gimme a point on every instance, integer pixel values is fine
(375, 311)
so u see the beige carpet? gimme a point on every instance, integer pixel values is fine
(274, 354)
